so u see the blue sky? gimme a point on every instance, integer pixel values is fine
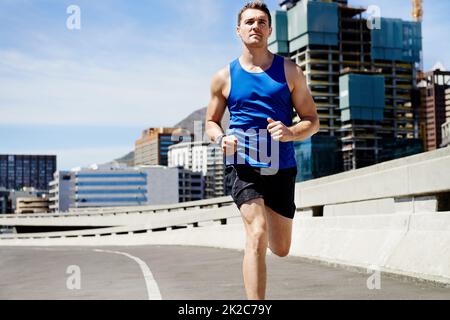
(86, 95)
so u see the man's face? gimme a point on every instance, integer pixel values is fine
(254, 29)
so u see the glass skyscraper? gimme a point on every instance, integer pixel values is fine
(18, 171)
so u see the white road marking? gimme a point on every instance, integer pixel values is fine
(152, 287)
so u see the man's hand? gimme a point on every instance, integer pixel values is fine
(229, 145)
(279, 131)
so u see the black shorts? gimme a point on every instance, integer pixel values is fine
(277, 190)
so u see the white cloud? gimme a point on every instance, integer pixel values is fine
(156, 91)
(123, 74)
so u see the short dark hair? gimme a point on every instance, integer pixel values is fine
(259, 5)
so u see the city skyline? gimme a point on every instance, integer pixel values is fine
(86, 95)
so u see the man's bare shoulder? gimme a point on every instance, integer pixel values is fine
(221, 77)
(294, 74)
(220, 80)
(292, 68)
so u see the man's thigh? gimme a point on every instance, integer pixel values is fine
(246, 185)
(279, 193)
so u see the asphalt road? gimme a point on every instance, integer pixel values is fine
(175, 272)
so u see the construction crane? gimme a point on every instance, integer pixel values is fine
(417, 15)
(417, 12)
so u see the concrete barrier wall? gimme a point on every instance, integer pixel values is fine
(148, 223)
(108, 217)
(423, 174)
(383, 206)
(424, 251)
(113, 219)
(416, 245)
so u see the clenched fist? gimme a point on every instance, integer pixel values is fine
(229, 145)
(279, 131)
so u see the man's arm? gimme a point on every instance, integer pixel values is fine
(304, 105)
(216, 109)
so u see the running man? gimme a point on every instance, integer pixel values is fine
(261, 91)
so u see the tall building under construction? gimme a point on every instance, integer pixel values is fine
(360, 69)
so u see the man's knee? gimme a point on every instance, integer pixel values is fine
(280, 250)
(256, 225)
(257, 238)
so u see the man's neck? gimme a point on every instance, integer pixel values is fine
(259, 57)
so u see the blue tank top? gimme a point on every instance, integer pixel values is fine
(253, 98)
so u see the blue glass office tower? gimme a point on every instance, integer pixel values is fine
(18, 171)
(101, 188)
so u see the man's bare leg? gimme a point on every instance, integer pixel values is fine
(254, 265)
(280, 233)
